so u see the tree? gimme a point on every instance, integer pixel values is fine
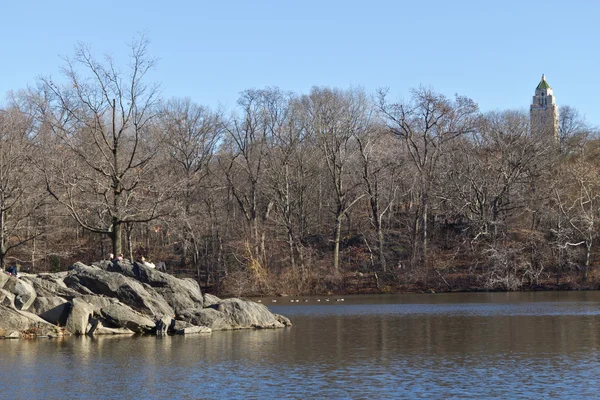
(21, 190)
(573, 130)
(334, 118)
(577, 194)
(378, 169)
(192, 134)
(243, 160)
(426, 125)
(489, 173)
(104, 120)
(288, 182)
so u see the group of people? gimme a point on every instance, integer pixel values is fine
(141, 260)
(111, 257)
(13, 269)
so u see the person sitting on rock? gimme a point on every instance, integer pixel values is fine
(147, 263)
(120, 257)
(12, 270)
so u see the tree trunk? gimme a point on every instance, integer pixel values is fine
(128, 232)
(336, 249)
(415, 241)
(115, 237)
(382, 263)
(291, 249)
(425, 214)
(2, 241)
(588, 252)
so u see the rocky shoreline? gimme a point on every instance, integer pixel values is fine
(119, 298)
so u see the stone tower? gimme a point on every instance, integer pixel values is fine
(543, 112)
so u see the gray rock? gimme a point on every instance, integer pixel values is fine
(285, 321)
(23, 291)
(180, 294)
(185, 328)
(234, 314)
(210, 317)
(99, 301)
(13, 335)
(3, 279)
(93, 280)
(120, 298)
(79, 317)
(247, 314)
(7, 299)
(11, 320)
(163, 325)
(49, 285)
(121, 316)
(100, 329)
(53, 309)
(210, 299)
(15, 323)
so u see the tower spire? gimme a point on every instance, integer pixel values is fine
(544, 112)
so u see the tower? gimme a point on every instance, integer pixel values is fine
(543, 112)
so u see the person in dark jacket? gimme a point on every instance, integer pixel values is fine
(13, 270)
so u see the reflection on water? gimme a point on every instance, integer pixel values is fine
(457, 345)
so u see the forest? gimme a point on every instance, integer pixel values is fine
(333, 191)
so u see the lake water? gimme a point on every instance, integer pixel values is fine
(484, 345)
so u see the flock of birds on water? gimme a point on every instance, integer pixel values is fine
(298, 301)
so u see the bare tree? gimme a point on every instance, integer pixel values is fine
(491, 170)
(248, 141)
(21, 190)
(379, 165)
(288, 175)
(104, 119)
(334, 118)
(192, 135)
(426, 125)
(573, 130)
(577, 195)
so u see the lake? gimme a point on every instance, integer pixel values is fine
(463, 345)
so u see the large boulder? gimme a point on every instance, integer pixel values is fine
(53, 309)
(15, 323)
(215, 320)
(49, 285)
(185, 328)
(3, 279)
(120, 298)
(180, 294)
(93, 280)
(210, 299)
(23, 291)
(79, 317)
(247, 314)
(234, 314)
(118, 315)
(97, 328)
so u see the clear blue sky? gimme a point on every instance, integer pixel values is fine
(492, 51)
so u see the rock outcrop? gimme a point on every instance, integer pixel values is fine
(119, 298)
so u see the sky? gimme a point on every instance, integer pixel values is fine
(491, 51)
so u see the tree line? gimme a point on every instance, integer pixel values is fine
(294, 193)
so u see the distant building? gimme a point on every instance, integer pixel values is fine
(543, 112)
